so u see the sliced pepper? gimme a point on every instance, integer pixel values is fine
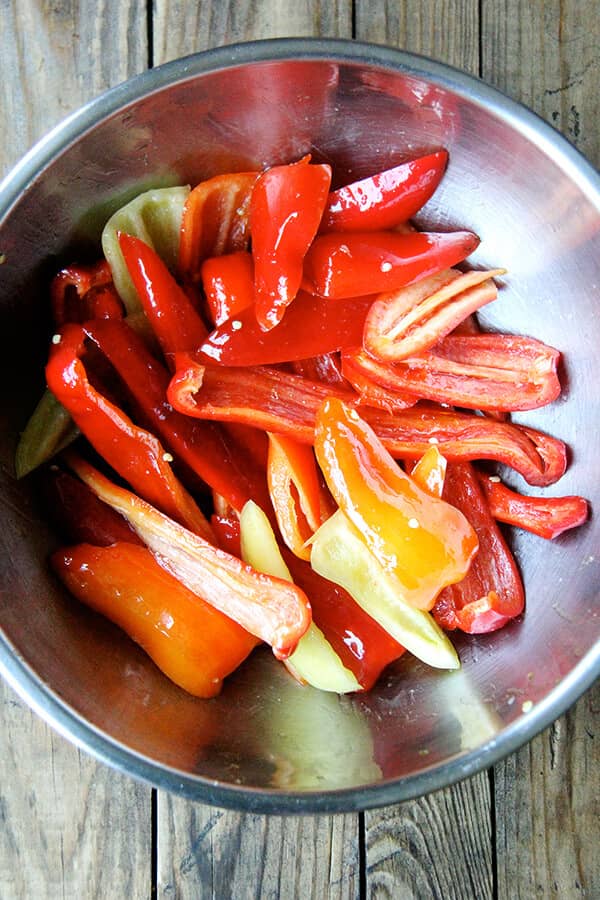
(311, 326)
(484, 371)
(492, 592)
(271, 609)
(202, 446)
(49, 430)
(155, 217)
(287, 404)
(228, 284)
(545, 516)
(386, 199)
(325, 367)
(285, 211)
(340, 554)
(422, 541)
(195, 645)
(133, 452)
(403, 323)
(295, 491)
(175, 322)
(430, 472)
(314, 661)
(348, 265)
(79, 293)
(357, 367)
(215, 221)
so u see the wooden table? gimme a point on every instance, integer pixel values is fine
(73, 828)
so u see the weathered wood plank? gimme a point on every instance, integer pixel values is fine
(548, 809)
(181, 28)
(212, 853)
(439, 846)
(447, 31)
(547, 795)
(69, 826)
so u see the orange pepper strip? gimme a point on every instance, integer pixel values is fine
(273, 610)
(295, 491)
(421, 540)
(430, 472)
(195, 645)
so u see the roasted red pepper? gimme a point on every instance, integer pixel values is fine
(175, 322)
(386, 199)
(271, 609)
(228, 284)
(311, 326)
(363, 646)
(348, 265)
(484, 371)
(545, 516)
(195, 645)
(202, 447)
(295, 491)
(423, 541)
(79, 293)
(287, 404)
(215, 221)
(326, 367)
(133, 452)
(492, 592)
(359, 368)
(285, 211)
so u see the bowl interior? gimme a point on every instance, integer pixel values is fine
(536, 208)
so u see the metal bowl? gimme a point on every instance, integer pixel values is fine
(266, 744)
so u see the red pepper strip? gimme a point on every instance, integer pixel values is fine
(311, 326)
(203, 447)
(227, 532)
(228, 284)
(421, 540)
(363, 646)
(215, 221)
(273, 610)
(386, 199)
(287, 404)
(359, 369)
(79, 293)
(295, 491)
(346, 265)
(545, 516)
(403, 323)
(492, 592)
(326, 367)
(81, 517)
(133, 452)
(174, 320)
(193, 644)
(486, 371)
(285, 211)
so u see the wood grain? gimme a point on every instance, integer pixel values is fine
(225, 854)
(70, 827)
(181, 28)
(447, 30)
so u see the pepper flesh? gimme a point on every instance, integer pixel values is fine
(288, 404)
(492, 592)
(295, 491)
(339, 266)
(193, 644)
(545, 516)
(228, 284)
(424, 542)
(285, 211)
(386, 199)
(79, 293)
(271, 609)
(133, 452)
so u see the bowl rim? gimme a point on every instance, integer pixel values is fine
(17, 672)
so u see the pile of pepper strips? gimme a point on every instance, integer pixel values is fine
(305, 341)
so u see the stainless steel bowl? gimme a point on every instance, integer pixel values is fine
(267, 744)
